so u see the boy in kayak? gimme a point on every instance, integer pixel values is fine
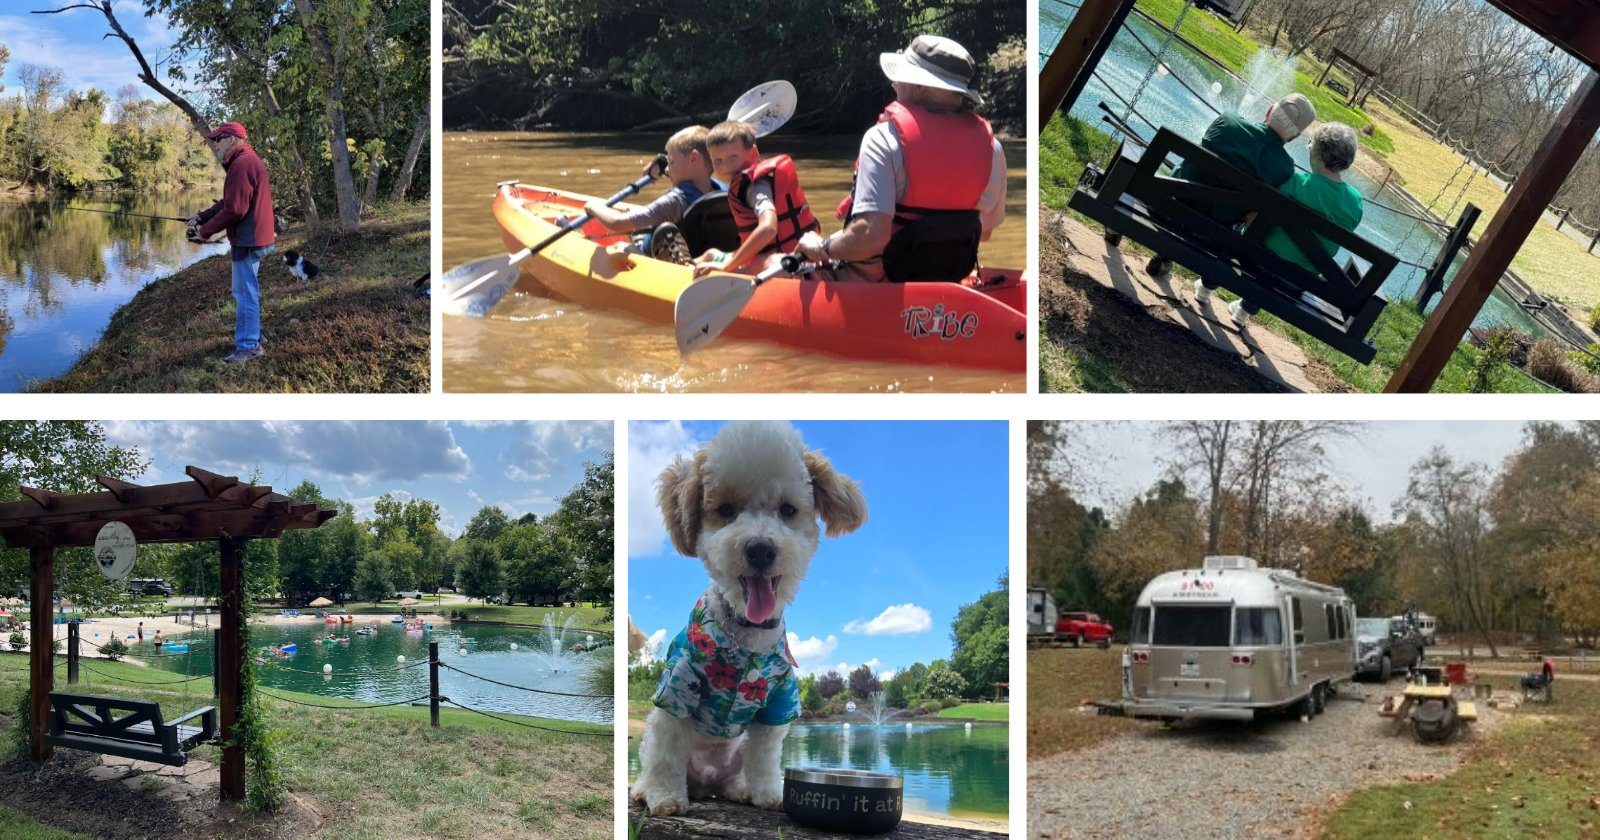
(689, 167)
(769, 208)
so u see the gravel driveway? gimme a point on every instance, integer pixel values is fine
(1225, 780)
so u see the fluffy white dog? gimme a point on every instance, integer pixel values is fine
(747, 505)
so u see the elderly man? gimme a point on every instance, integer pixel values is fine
(930, 181)
(1258, 149)
(245, 212)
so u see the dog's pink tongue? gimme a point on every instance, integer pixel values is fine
(759, 599)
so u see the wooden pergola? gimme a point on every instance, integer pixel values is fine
(209, 507)
(1363, 87)
(1572, 25)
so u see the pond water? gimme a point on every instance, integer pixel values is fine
(488, 655)
(948, 770)
(1165, 102)
(63, 272)
(533, 343)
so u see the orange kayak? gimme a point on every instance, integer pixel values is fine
(978, 323)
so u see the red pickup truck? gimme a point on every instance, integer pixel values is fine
(1081, 627)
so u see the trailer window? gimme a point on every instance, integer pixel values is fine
(1333, 623)
(1192, 626)
(1257, 626)
(1299, 622)
(1141, 626)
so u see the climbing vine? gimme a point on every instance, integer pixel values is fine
(252, 732)
(22, 726)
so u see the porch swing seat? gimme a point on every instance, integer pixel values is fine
(1133, 198)
(92, 723)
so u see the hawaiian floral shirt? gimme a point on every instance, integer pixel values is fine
(708, 678)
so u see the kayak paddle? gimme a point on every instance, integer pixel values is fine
(475, 287)
(766, 107)
(712, 303)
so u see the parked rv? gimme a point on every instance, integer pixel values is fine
(1231, 640)
(1041, 614)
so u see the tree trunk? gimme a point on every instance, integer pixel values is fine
(420, 134)
(339, 139)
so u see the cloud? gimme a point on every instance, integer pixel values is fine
(810, 654)
(654, 648)
(538, 504)
(536, 451)
(359, 451)
(898, 620)
(71, 42)
(651, 446)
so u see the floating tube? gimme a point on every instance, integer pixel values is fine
(289, 648)
(178, 648)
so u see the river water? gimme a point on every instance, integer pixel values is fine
(63, 272)
(948, 770)
(1166, 103)
(489, 654)
(532, 343)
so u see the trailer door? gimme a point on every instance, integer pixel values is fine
(1296, 637)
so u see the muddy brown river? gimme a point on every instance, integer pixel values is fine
(535, 343)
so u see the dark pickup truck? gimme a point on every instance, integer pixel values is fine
(1387, 645)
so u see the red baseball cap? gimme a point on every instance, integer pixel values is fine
(233, 128)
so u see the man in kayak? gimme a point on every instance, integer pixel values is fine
(689, 167)
(769, 208)
(930, 182)
(245, 212)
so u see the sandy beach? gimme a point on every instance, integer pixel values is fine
(98, 631)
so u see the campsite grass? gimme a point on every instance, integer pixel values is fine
(361, 327)
(18, 826)
(387, 773)
(1538, 776)
(589, 615)
(978, 711)
(1060, 680)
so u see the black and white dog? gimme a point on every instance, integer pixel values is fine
(301, 267)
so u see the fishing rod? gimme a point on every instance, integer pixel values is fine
(125, 213)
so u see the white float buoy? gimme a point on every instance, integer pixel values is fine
(969, 727)
(327, 669)
(513, 645)
(1162, 70)
(1216, 88)
(590, 637)
(400, 659)
(908, 727)
(462, 651)
(847, 726)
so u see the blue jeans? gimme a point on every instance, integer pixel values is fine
(247, 299)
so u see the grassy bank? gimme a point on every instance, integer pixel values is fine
(589, 615)
(385, 773)
(1059, 682)
(979, 711)
(1535, 777)
(360, 327)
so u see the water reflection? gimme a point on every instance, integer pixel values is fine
(63, 272)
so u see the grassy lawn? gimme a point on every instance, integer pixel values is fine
(360, 328)
(386, 773)
(1059, 681)
(589, 615)
(1536, 777)
(979, 711)
(15, 826)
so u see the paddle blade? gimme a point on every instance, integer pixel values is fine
(766, 107)
(708, 307)
(474, 288)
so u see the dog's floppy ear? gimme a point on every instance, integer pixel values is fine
(679, 493)
(837, 496)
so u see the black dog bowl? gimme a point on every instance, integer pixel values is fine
(858, 801)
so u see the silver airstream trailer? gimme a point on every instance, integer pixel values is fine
(1230, 639)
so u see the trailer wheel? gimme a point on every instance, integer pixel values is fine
(1319, 698)
(1306, 709)
(1105, 643)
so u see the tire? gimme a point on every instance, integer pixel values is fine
(1105, 643)
(1385, 670)
(1319, 696)
(1077, 641)
(1113, 239)
(1307, 707)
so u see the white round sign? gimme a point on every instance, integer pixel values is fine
(115, 550)
(850, 707)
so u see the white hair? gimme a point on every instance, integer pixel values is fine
(1334, 145)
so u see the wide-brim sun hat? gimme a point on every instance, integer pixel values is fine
(933, 61)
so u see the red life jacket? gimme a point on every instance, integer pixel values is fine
(936, 229)
(794, 214)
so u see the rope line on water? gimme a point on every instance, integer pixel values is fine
(407, 666)
(521, 687)
(520, 723)
(142, 682)
(263, 690)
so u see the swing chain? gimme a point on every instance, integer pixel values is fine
(1133, 101)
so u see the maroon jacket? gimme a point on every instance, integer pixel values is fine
(245, 210)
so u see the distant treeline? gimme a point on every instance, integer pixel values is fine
(622, 64)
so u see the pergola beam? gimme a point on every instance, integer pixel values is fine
(1077, 54)
(1573, 25)
(165, 527)
(119, 489)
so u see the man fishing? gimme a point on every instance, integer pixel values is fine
(245, 212)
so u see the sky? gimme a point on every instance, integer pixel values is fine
(520, 467)
(1376, 464)
(72, 43)
(937, 537)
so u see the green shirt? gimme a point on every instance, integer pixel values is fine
(1337, 201)
(1247, 144)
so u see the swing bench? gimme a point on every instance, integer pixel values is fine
(1132, 198)
(90, 722)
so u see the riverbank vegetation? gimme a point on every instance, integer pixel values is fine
(581, 66)
(359, 327)
(1490, 550)
(358, 773)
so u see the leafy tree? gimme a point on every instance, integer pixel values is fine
(981, 638)
(905, 686)
(538, 564)
(344, 543)
(830, 684)
(404, 558)
(863, 682)
(529, 518)
(486, 525)
(372, 578)
(810, 697)
(478, 572)
(302, 558)
(587, 518)
(942, 682)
